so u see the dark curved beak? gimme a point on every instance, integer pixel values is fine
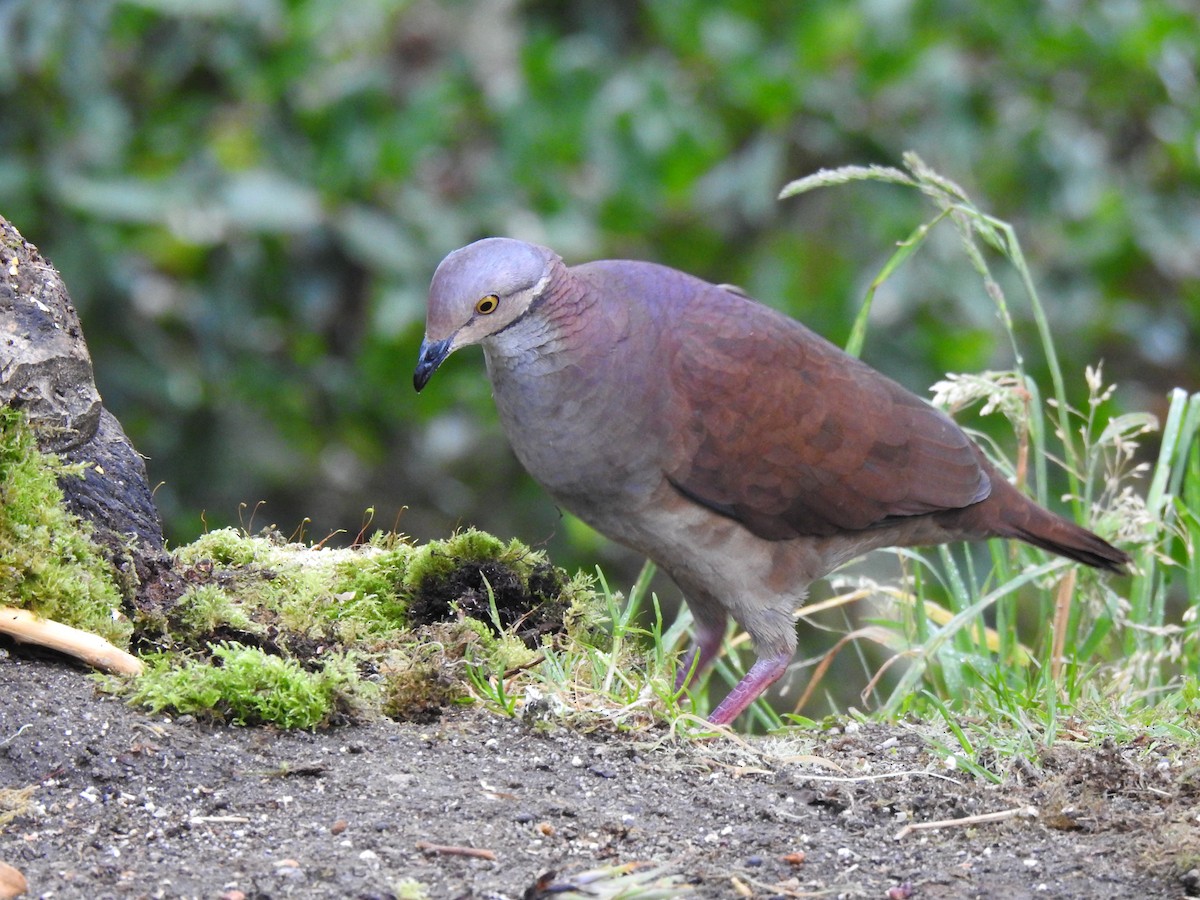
(433, 354)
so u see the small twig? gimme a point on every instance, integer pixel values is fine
(287, 770)
(218, 820)
(871, 632)
(781, 889)
(536, 661)
(445, 850)
(16, 734)
(881, 776)
(735, 771)
(94, 650)
(981, 819)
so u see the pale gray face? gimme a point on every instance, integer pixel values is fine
(477, 291)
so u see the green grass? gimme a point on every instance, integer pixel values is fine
(619, 675)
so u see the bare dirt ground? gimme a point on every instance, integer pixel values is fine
(124, 804)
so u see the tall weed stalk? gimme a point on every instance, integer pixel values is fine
(1037, 634)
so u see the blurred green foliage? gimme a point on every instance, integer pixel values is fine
(247, 199)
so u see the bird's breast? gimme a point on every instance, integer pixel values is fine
(577, 431)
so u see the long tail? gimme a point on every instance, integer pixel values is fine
(1009, 513)
(1065, 538)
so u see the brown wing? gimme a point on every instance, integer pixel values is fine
(788, 434)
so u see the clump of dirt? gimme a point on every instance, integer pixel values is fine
(495, 593)
(421, 683)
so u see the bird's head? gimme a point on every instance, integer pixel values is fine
(478, 291)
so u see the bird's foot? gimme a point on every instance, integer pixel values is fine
(765, 672)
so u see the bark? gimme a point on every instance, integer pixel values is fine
(46, 371)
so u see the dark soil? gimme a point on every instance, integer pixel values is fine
(131, 805)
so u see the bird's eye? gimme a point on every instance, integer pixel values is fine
(487, 305)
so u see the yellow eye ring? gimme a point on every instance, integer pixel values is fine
(485, 306)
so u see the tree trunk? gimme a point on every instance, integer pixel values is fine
(46, 372)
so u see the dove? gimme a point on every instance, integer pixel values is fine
(743, 453)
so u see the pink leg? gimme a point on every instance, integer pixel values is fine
(708, 645)
(764, 673)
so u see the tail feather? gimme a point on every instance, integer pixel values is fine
(1014, 515)
(1065, 538)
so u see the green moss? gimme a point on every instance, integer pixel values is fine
(206, 609)
(507, 586)
(479, 546)
(245, 686)
(369, 590)
(253, 634)
(438, 560)
(48, 563)
(428, 563)
(358, 592)
(410, 889)
(224, 547)
(503, 650)
(585, 616)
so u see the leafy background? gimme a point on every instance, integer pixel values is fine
(247, 199)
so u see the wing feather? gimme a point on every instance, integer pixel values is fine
(791, 436)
